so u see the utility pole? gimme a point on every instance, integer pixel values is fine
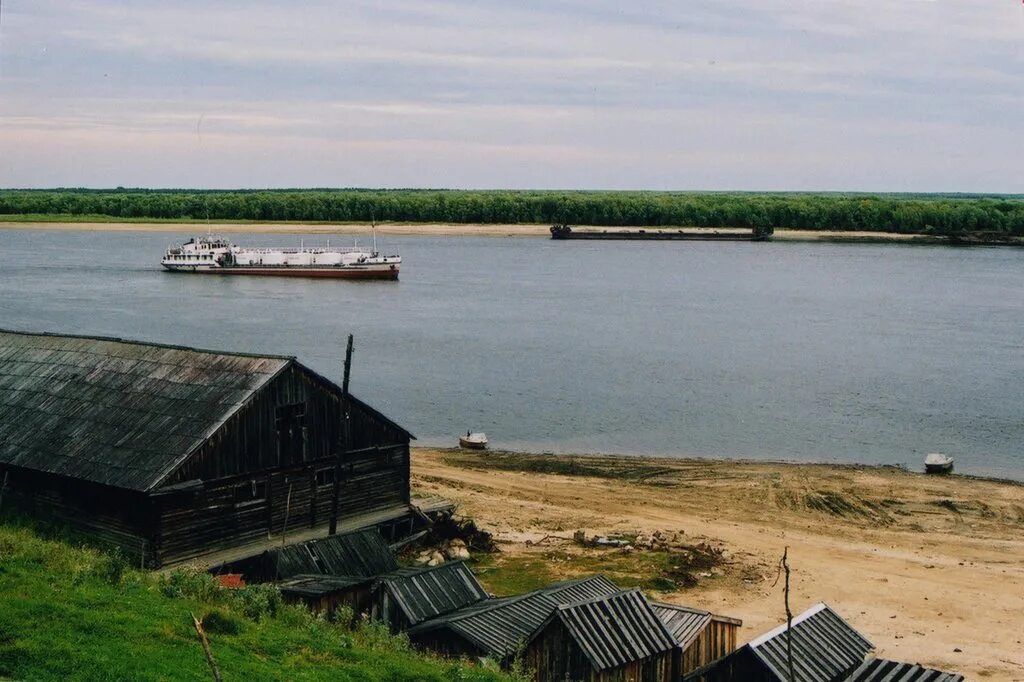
(346, 438)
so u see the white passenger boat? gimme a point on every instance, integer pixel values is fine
(215, 255)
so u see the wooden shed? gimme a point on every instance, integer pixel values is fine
(611, 638)
(499, 628)
(325, 594)
(361, 553)
(825, 648)
(702, 636)
(408, 596)
(175, 452)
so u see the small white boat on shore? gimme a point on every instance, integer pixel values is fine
(937, 463)
(473, 441)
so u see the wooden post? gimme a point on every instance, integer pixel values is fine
(3, 487)
(206, 647)
(789, 618)
(284, 532)
(346, 443)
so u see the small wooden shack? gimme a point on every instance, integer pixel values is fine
(325, 594)
(173, 452)
(408, 596)
(499, 628)
(611, 638)
(361, 553)
(825, 648)
(702, 636)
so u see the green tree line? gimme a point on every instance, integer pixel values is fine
(914, 214)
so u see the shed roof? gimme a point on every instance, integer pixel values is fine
(424, 593)
(361, 553)
(883, 670)
(314, 586)
(825, 647)
(615, 630)
(120, 413)
(685, 624)
(498, 626)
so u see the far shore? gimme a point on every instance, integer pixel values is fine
(929, 568)
(426, 230)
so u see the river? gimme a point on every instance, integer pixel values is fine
(799, 351)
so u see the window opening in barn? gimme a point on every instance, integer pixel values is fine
(250, 492)
(324, 477)
(291, 433)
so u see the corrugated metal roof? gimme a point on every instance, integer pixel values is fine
(359, 553)
(424, 593)
(882, 670)
(616, 629)
(685, 624)
(115, 412)
(314, 586)
(498, 627)
(825, 647)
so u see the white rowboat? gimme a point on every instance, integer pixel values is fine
(473, 441)
(937, 463)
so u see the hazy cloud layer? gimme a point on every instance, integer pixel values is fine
(815, 94)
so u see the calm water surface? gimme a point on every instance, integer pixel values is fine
(839, 353)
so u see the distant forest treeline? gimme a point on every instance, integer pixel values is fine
(905, 213)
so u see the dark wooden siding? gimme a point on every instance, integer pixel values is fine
(248, 442)
(717, 640)
(554, 657)
(292, 486)
(209, 519)
(105, 516)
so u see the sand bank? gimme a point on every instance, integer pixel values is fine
(930, 569)
(417, 229)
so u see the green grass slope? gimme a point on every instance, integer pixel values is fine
(74, 613)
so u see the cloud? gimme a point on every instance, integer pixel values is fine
(473, 91)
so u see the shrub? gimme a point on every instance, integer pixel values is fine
(190, 582)
(221, 622)
(259, 601)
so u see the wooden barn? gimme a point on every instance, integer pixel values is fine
(702, 636)
(611, 638)
(825, 648)
(408, 596)
(174, 453)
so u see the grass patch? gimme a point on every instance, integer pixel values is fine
(75, 613)
(661, 571)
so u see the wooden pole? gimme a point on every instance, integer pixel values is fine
(206, 648)
(284, 532)
(789, 618)
(345, 444)
(3, 488)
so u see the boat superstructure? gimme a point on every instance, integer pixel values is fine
(216, 255)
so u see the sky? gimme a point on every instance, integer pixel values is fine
(850, 95)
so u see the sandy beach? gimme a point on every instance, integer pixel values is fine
(407, 229)
(930, 569)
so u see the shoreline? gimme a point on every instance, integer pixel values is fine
(929, 568)
(725, 460)
(433, 230)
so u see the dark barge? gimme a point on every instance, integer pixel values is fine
(756, 234)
